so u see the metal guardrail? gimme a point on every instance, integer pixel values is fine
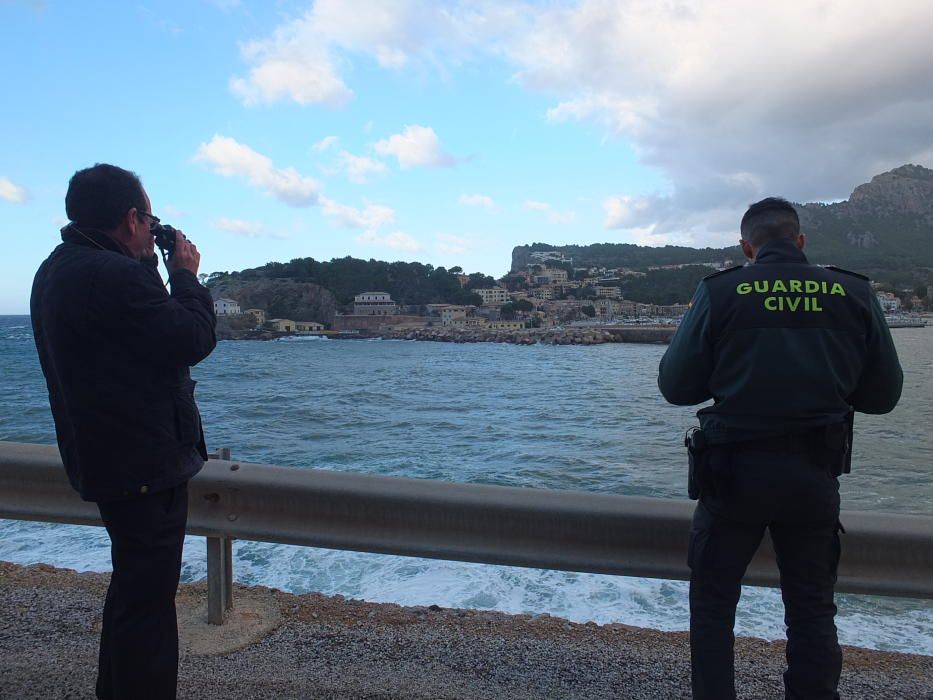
(884, 554)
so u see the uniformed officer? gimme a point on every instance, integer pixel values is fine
(786, 350)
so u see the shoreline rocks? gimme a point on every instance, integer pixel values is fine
(588, 335)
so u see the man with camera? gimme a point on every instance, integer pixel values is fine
(787, 351)
(115, 348)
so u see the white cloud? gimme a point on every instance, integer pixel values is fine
(554, 216)
(731, 103)
(171, 212)
(397, 240)
(325, 143)
(288, 67)
(615, 114)
(225, 156)
(416, 146)
(371, 218)
(451, 245)
(625, 211)
(477, 200)
(239, 227)
(727, 101)
(300, 59)
(357, 168)
(11, 192)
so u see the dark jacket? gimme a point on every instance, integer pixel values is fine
(781, 346)
(115, 349)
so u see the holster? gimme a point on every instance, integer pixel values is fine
(837, 446)
(697, 462)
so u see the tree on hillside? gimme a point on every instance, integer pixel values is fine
(480, 281)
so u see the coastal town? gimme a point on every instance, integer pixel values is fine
(549, 295)
(549, 301)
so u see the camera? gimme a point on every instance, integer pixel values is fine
(165, 238)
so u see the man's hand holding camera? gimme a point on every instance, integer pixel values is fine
(185, 256)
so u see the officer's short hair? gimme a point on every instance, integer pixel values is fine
(98, 197)
(771, 219)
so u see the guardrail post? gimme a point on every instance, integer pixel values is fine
(219, 569)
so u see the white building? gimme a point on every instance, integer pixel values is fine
(551, 276)
(493, 296)
(373, 304)
(224, 307)
(454, 315)
(608, 292)
(889, 302)
(548, 256)
(308, 326)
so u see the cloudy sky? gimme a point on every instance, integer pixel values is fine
(450, 132)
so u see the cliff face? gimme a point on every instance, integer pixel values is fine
(904, 190)
(520, 256)
(884, 229)
(280, 298)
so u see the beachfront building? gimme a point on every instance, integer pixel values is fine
(226, 307)
(506, 325)
(607, 309)
(308, 326)
(452, 315)
(259, 315)
(282, 325)
(373, 304)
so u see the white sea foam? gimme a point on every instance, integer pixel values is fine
(869, 622)
(300, 338)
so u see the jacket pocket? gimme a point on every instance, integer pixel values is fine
(187, 418)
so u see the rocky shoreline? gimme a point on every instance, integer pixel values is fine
(589, 335)
(284, 646)
(583, 335)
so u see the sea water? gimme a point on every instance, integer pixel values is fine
(560, 417)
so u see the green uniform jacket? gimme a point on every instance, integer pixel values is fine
(781, 346)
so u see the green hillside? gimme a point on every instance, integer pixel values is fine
(884, 230)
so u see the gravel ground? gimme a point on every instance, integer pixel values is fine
(283, 647)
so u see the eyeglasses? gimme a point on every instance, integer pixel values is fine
(153, 220)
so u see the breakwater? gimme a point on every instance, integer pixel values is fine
(581, 335)
(577, 335)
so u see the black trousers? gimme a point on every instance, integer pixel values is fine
(787, 491)
(139, 637)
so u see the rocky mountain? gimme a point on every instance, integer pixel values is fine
(279, 298)
(884, 229)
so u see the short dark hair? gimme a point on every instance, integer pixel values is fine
(100, 196)
(771, 219)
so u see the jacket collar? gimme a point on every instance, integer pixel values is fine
(92, 238)
(780, 252)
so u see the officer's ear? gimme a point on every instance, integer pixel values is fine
(801, 240)
(747, 249)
